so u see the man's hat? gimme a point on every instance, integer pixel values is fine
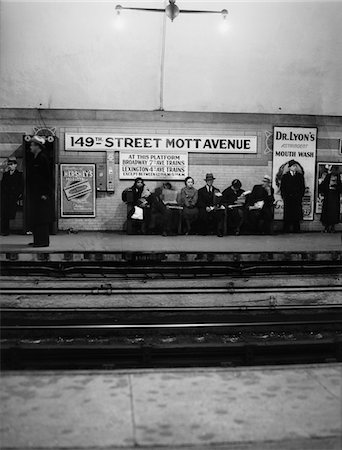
(38, 140)
(267, 179)
(292, 162)
(12, 159)
(209, 176)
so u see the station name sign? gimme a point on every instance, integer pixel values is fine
(120, 142)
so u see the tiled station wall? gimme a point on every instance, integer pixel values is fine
(110, 211)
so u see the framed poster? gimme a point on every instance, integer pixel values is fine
(77, 190)
(298, 144)
(322, 171)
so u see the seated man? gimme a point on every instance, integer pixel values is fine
(233, 200)
(260, 207)
(211, 212)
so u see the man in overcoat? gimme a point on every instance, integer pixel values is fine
(39, 193)
(211, 214)
(292, 188)
(260, 207)
(11, 191)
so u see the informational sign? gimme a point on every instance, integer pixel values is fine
(322, 171)
(298, 144)
(170, 143)
(152, 165)
(77, 190)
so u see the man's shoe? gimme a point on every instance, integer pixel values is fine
(31, 244)
(37, 245)
(219, 235)
(4, 234)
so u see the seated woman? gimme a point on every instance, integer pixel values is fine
(161, 215)
(188, 199)
(260, 207)
(135, 196)
(234, 208)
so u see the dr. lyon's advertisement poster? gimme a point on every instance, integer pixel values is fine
(78, 190)
(299, 144)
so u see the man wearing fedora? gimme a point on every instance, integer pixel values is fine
(11, 191)
(39, 193)
(292, 188)
(260, 207)
(211, 213)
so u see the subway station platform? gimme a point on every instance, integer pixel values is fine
(283, 408)
(106, 246)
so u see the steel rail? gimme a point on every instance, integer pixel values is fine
(168, 290)
(170, 325)
(167, 309)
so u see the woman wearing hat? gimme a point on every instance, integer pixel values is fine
(211, 214)
(292, 188)
(11, 191)
(39, 193)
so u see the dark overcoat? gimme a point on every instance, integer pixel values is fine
(331, 201)
(292, 188)
(11, 189)
(206, 198)
(229, 196)
(38, 185)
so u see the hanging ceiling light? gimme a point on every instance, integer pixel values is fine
(172, 10)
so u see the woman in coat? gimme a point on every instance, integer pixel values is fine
(331, 188)
(235, 215)
(188, 199)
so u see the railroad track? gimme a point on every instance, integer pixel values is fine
(117, 338)
(199, 268)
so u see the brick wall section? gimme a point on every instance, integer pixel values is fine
(110, 211)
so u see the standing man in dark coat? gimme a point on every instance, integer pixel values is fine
(11, 191)
(292, 188)
(211, 214)
(39, 193)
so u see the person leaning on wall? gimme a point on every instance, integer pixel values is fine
(39, 193)
(331, 188)
(11, 192)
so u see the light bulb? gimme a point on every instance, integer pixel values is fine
(224, 26)
(119, 23)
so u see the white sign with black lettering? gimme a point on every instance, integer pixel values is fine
(201, 144)
(156, 166)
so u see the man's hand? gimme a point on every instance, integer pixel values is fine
(208, 208)
(43, 197)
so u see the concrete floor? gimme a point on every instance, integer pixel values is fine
(297, 407)
(97, 241)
